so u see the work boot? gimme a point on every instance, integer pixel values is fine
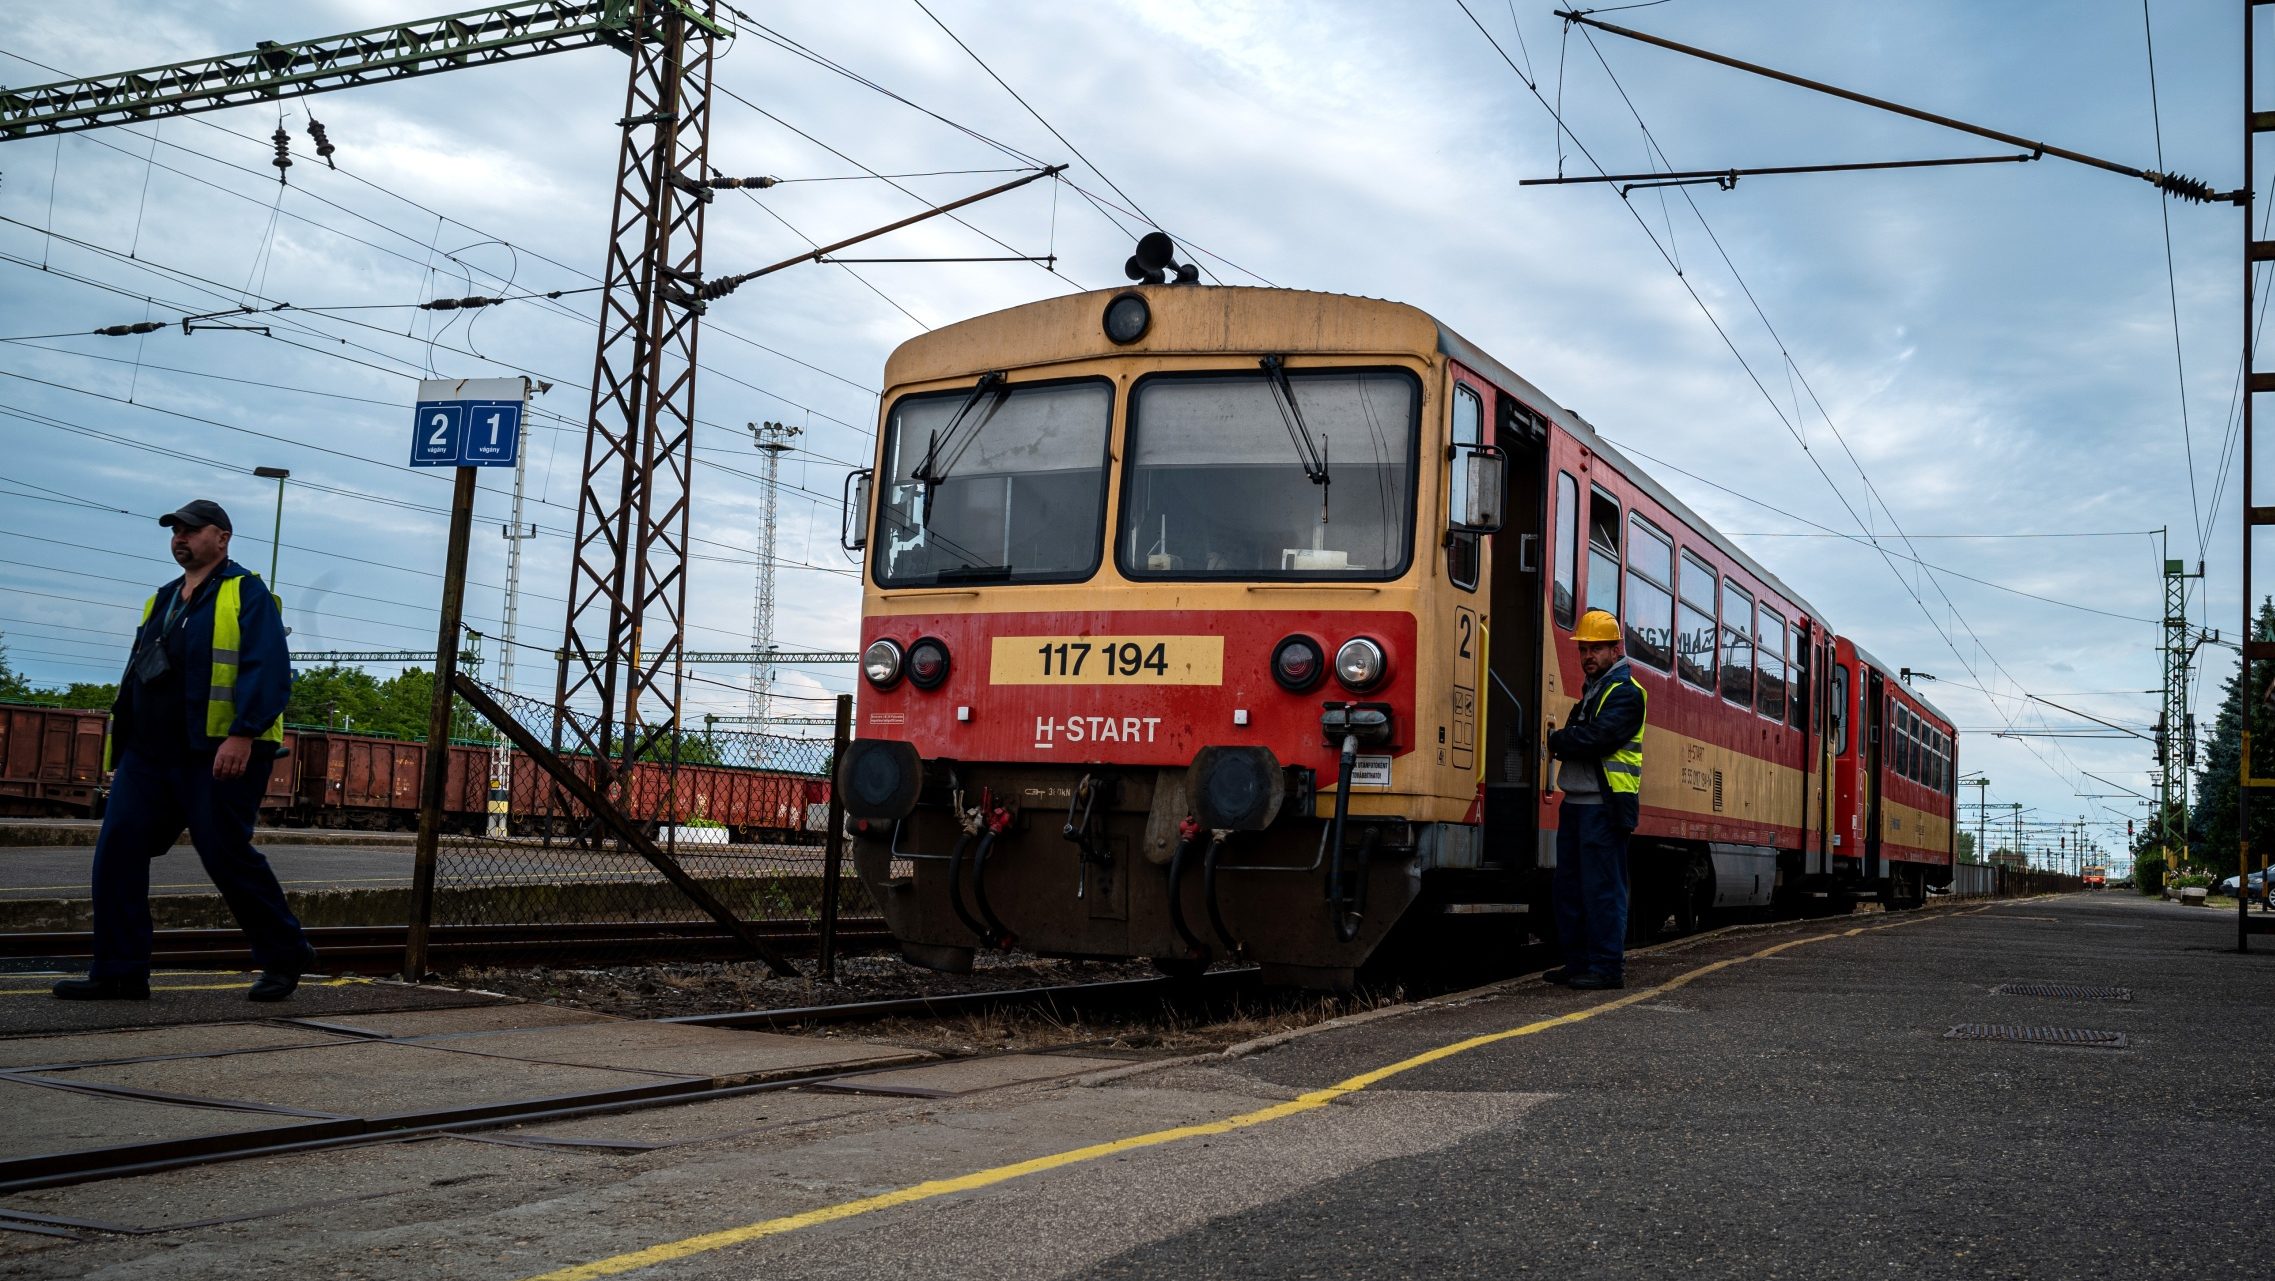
(277, 984)
(1594, 982)
(1558, 975)
(103, 989)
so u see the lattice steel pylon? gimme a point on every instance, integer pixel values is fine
(624, 635)
(773, 440)
(2174, 725)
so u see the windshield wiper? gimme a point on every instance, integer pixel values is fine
(1312, 454)
(934, 469)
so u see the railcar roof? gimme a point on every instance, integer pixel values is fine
(1909, 692)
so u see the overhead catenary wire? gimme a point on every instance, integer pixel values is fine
(1564, 131)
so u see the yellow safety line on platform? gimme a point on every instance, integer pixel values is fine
(189, 987)
(1309, 1102)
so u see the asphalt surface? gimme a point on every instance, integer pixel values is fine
(1805, 1115)
(1778, 1101)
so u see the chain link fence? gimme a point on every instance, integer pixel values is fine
(738, 816)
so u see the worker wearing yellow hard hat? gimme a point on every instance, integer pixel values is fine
(1600, 772)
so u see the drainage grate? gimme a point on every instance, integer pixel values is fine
(2036, 1035)
(2064, 991)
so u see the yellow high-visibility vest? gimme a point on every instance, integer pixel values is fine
(1623, 769)
(221, 693)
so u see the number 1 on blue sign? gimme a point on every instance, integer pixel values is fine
(494, 429)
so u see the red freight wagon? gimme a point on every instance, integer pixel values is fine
(51, 760)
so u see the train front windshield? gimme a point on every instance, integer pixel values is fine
(994, 486)
(1227, 479)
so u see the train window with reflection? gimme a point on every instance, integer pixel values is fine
(1904, 742)
(1567, 547)
(994, 485)
(1806, 659)
(1468, 429)
(1694, 639)
(1220, 480)
(1603, 552)
(1650, 594)
(1737, 644)
(1840, 708)
(1769, 662)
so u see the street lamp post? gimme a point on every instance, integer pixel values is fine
(279, 475)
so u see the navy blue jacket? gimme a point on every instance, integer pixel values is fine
(1591, 735)
(264, 664)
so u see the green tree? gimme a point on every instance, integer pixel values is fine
(12, 685)
(1966, 849)
(2213, 838)
(335, 697)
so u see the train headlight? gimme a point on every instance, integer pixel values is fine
(1128, 317)
(881, 663)
(1298, 663)
(927, 663)
(879, 778)
(1239, 788)
(1360, 664)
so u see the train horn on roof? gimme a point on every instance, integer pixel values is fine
(1155, 258)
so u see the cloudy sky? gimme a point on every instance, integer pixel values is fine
(1980, 358)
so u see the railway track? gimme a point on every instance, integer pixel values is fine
(54, 1169)
(378, 949)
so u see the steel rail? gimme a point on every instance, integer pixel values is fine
(378, 949)
(972, 1002)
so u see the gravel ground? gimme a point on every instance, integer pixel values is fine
(1171, 1026)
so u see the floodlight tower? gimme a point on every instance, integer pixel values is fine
(772, 440)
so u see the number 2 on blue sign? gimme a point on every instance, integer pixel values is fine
(441, 432)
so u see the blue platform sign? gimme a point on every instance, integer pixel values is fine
(468, 422)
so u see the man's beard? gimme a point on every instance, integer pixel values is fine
(184, 557)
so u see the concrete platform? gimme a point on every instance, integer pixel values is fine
(1782, 1100)
(725, 1056)
(208, 996)
(359, 1078)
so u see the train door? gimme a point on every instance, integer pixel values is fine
(1875, 730)
(1515, 599)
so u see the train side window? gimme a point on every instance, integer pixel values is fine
(1840, 709)
(1650, 594)
(1907, 744)
(1567, 546)
(1806, 660)
(1468, 429)
(1694, 643)
(1737, 644)
(1769, 662)
(1603, 552)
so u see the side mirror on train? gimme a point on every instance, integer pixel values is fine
(1479, 484)
(853, 519)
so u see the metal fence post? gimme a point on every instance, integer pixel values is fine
(833, 855)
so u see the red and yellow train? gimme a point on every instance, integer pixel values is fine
(1206, 621)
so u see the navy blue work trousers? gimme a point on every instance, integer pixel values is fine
(150, 804)
(1591, 890)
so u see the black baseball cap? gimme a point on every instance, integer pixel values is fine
(196, 512)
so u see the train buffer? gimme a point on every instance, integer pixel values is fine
(1948, 1091)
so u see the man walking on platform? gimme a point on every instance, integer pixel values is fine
(198, 723)
(1601, 775)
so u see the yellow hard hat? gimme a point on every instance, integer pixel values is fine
(1596, 627)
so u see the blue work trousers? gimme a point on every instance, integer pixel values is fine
(1591, 890)
(150, 804)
